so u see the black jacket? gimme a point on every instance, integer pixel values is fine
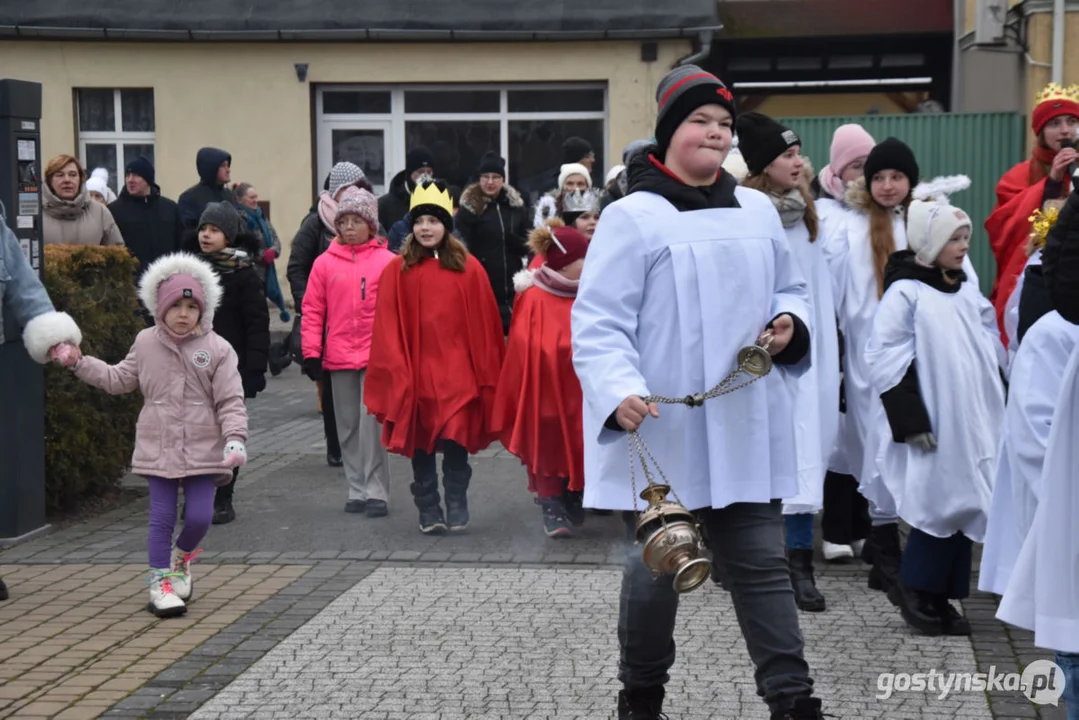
(496, 233)
(195, 199)
(151, 225)
(311, 240)
(1060, 261)
(903, 404)
(243, 318)
(1034, 300)
(394, 204)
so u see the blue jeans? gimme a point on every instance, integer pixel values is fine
(1069, 663)
(799, 531)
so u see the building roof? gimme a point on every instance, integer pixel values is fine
(755, 19)
(345, 20)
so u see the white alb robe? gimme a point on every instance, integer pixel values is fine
(665, 302)
(816, 392)
(1037, 373)
(956, 355)
(1043, 592)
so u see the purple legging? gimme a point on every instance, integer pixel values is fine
(198, 512)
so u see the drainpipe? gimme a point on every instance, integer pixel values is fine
(1059, 19)
(706, 47)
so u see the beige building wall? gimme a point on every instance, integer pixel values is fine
(829, 105)
(245, 98)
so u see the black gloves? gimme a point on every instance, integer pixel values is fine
(312, 367)
(254, 382)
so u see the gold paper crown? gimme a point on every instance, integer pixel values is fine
(431, 195)
(1055, 91)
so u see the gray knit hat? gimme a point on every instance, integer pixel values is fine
(223, 216)
(342, 175)
(682, 91)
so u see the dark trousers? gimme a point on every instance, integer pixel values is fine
(455, 467)
(746, 540)
(329, 418)
(846, 513)
(939, 566)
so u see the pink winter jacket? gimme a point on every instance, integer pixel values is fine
(194, 401)
(339, 304)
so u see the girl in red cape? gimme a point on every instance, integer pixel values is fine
(538, 405)
(1027, 186)
(436, 353)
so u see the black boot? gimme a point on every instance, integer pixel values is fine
(952, 621)
(3, 590)
(573, 501)
(917, 608)
(425, 494)
(806, 595)
(223, 512)
(884, 548)
(641, 704)
(455, 482)
(804, 708)
(555, 522)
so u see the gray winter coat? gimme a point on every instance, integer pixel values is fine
(22, 293)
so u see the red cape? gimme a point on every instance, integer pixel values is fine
(538, 408)
(436, 353)
(1009, 230)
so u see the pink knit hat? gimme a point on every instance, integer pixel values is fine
(849, 143)
(180, 285)
(357, 201)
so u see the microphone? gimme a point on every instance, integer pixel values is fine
(1069, 143)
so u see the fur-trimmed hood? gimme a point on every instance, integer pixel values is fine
(857, 196)
(475, 201)
(165, 267)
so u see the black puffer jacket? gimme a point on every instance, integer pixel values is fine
(394, 204)
(496, 232)
(1060, 261)
(151, 225)
(195, 199)
(243, 318)
(311, 240)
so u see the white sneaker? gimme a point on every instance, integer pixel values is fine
(182, 582)
(857, 546)
(163, 600)
(833, 553)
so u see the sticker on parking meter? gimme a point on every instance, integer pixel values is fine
(27, 203)
(25, 222)
(27, 149)
(29, 125)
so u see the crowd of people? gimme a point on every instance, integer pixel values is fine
(900, 393)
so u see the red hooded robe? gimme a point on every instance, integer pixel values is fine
(538, 411)
(436, 353)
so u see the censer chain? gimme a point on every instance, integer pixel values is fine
(644, 454)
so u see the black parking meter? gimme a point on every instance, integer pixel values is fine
(22, 383)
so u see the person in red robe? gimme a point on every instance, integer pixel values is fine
(436, 354)
(1029, 185)
(538, 406)
(580, 211)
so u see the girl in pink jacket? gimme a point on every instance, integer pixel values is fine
(338, 319)
(193, 424)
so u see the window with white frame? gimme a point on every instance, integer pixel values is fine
(115, 127)
(375, 126)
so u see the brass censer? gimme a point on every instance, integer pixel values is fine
(670, 535)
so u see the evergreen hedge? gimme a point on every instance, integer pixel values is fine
(89, 434)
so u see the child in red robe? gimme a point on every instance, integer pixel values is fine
(436, 353)
(538, 404)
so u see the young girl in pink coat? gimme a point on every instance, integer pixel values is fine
(193, 426)
(337, 323)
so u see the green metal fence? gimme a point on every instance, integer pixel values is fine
(982, 146)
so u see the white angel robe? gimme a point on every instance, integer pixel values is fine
(665, 302)
(816, 392)
(1043, 592)
(1037, 372)
(831, 233)
(955, 353)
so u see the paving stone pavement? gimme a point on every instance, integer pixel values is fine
(307, 612)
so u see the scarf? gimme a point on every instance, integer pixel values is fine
(229, 260)
(1044, 154)
(555, 282)
(55, 207)
(832, 183)
(791, 206)
(257, 223)
(327, 210)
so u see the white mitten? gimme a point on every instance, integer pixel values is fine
(235, 454)
(925, 441)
